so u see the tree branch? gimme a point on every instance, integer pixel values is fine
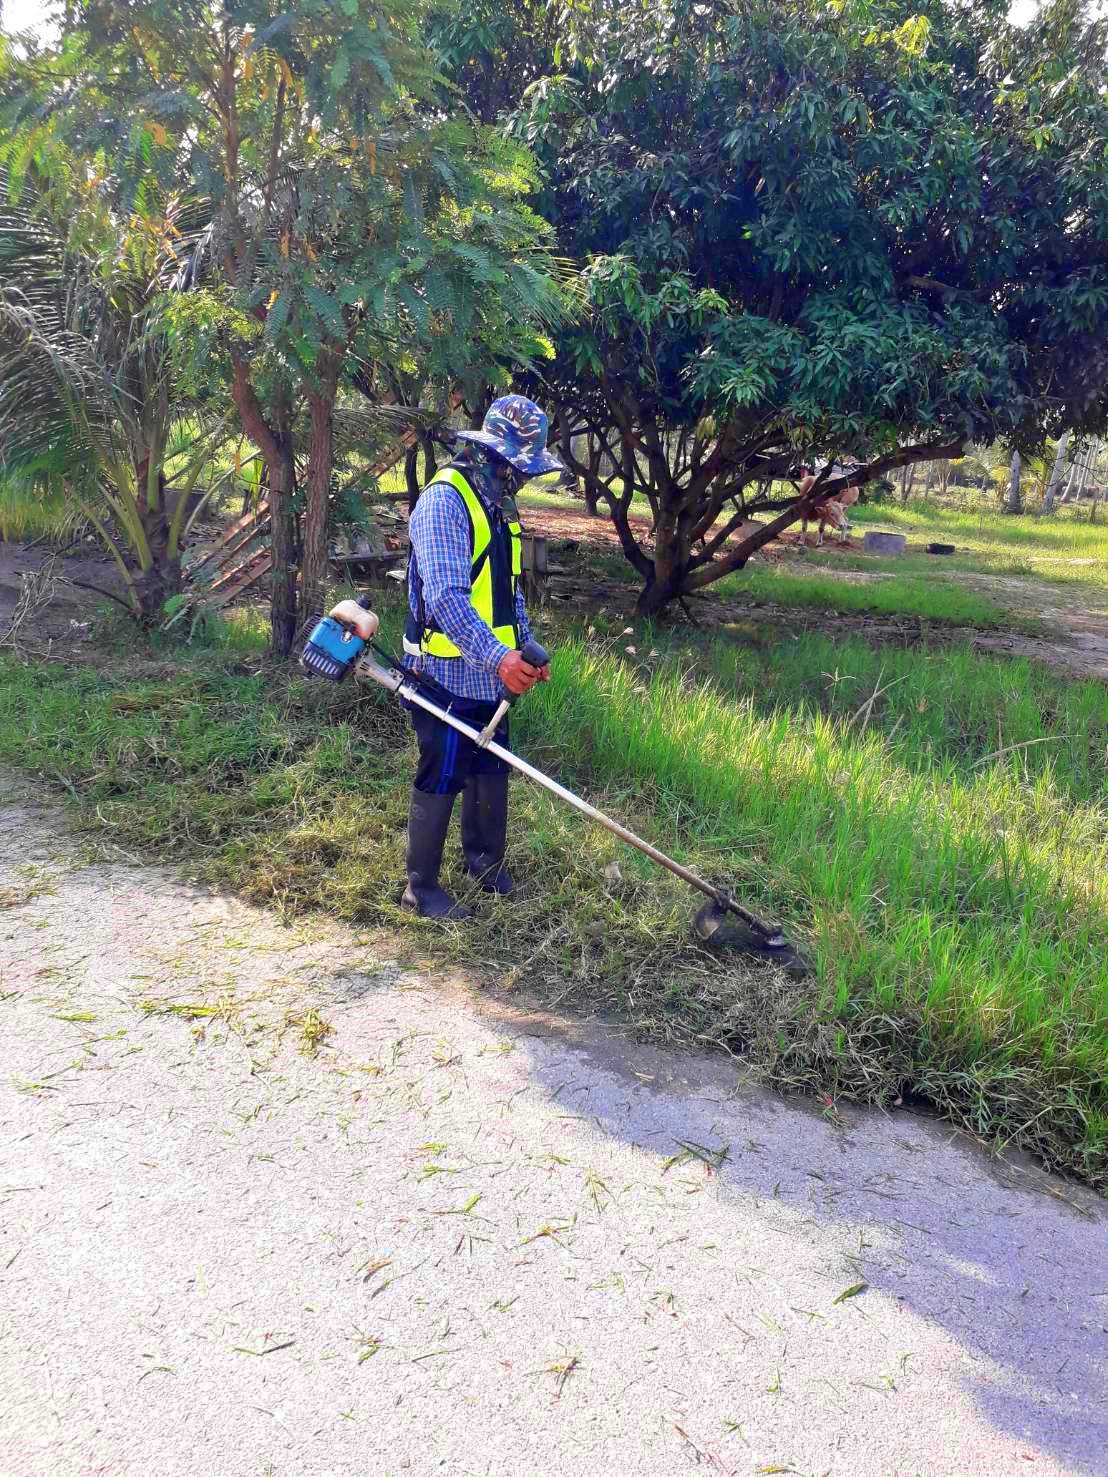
(819, 494)
(252, 415)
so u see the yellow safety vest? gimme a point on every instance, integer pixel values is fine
(491, 594)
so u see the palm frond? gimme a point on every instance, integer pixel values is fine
(56, 410)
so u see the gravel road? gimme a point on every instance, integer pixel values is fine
(468, 1238)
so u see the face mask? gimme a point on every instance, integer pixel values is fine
(507, 479)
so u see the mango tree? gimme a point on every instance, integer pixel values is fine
(870, 229)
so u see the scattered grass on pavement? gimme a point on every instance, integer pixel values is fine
(932, 822)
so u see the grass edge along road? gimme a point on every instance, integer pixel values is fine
(954, 884)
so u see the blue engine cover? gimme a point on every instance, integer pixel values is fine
(331, 650)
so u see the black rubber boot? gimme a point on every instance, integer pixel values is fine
(485, 831)
(428, 821)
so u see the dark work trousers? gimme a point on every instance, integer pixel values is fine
(446, 757)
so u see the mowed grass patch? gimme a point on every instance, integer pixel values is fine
(1064, 548)
(951, 887)
(895, 595)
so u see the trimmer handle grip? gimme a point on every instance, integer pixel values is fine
(534, 654)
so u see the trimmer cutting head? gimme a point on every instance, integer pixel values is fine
(721, 928)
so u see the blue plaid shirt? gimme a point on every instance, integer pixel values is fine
(440, 536)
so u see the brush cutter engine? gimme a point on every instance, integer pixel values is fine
(338, 640)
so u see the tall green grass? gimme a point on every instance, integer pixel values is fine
(946, 711)
(949, 872)
(31, 512)
(960, 908)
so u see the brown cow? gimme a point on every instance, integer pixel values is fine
(832, 512)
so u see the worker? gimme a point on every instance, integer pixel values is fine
(466, 623)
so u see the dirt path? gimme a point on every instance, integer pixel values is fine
(70, 605)
(1081, 643)
(1077, 646)
(465, 1238)
(1079, 640)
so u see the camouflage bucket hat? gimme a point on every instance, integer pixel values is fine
(516, 429)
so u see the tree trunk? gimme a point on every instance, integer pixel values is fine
(161, 579)
(476, 411)
(583, 455)
(1075, 472)
(930, 479)
(739, 555)
(430, 461)
(688, 556)
(906, 481)
(655, 596)
(588, 482)
(1055, 473)
(414, 483)
(579, 446)
(273, 438)
(564, 437)
(1014, 503)
(282, 598)
(1087, 472)
(321, 461)
(1091, 477)
(411, 474)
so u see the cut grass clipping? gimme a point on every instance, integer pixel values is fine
(933, 821)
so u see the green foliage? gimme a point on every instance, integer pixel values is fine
(87, 399)
(817, 230)
(352, 215)
(361, 236)
(870, 230)
(491, 52)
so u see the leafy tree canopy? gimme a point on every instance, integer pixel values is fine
(864, 227)
(360, 233)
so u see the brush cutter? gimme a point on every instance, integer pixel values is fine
(339, 643)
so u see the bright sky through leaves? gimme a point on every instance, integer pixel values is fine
(31, 15)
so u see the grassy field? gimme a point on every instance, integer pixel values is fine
(932, 823)
(793, 586)
(1065, 552)
(1065, 549)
